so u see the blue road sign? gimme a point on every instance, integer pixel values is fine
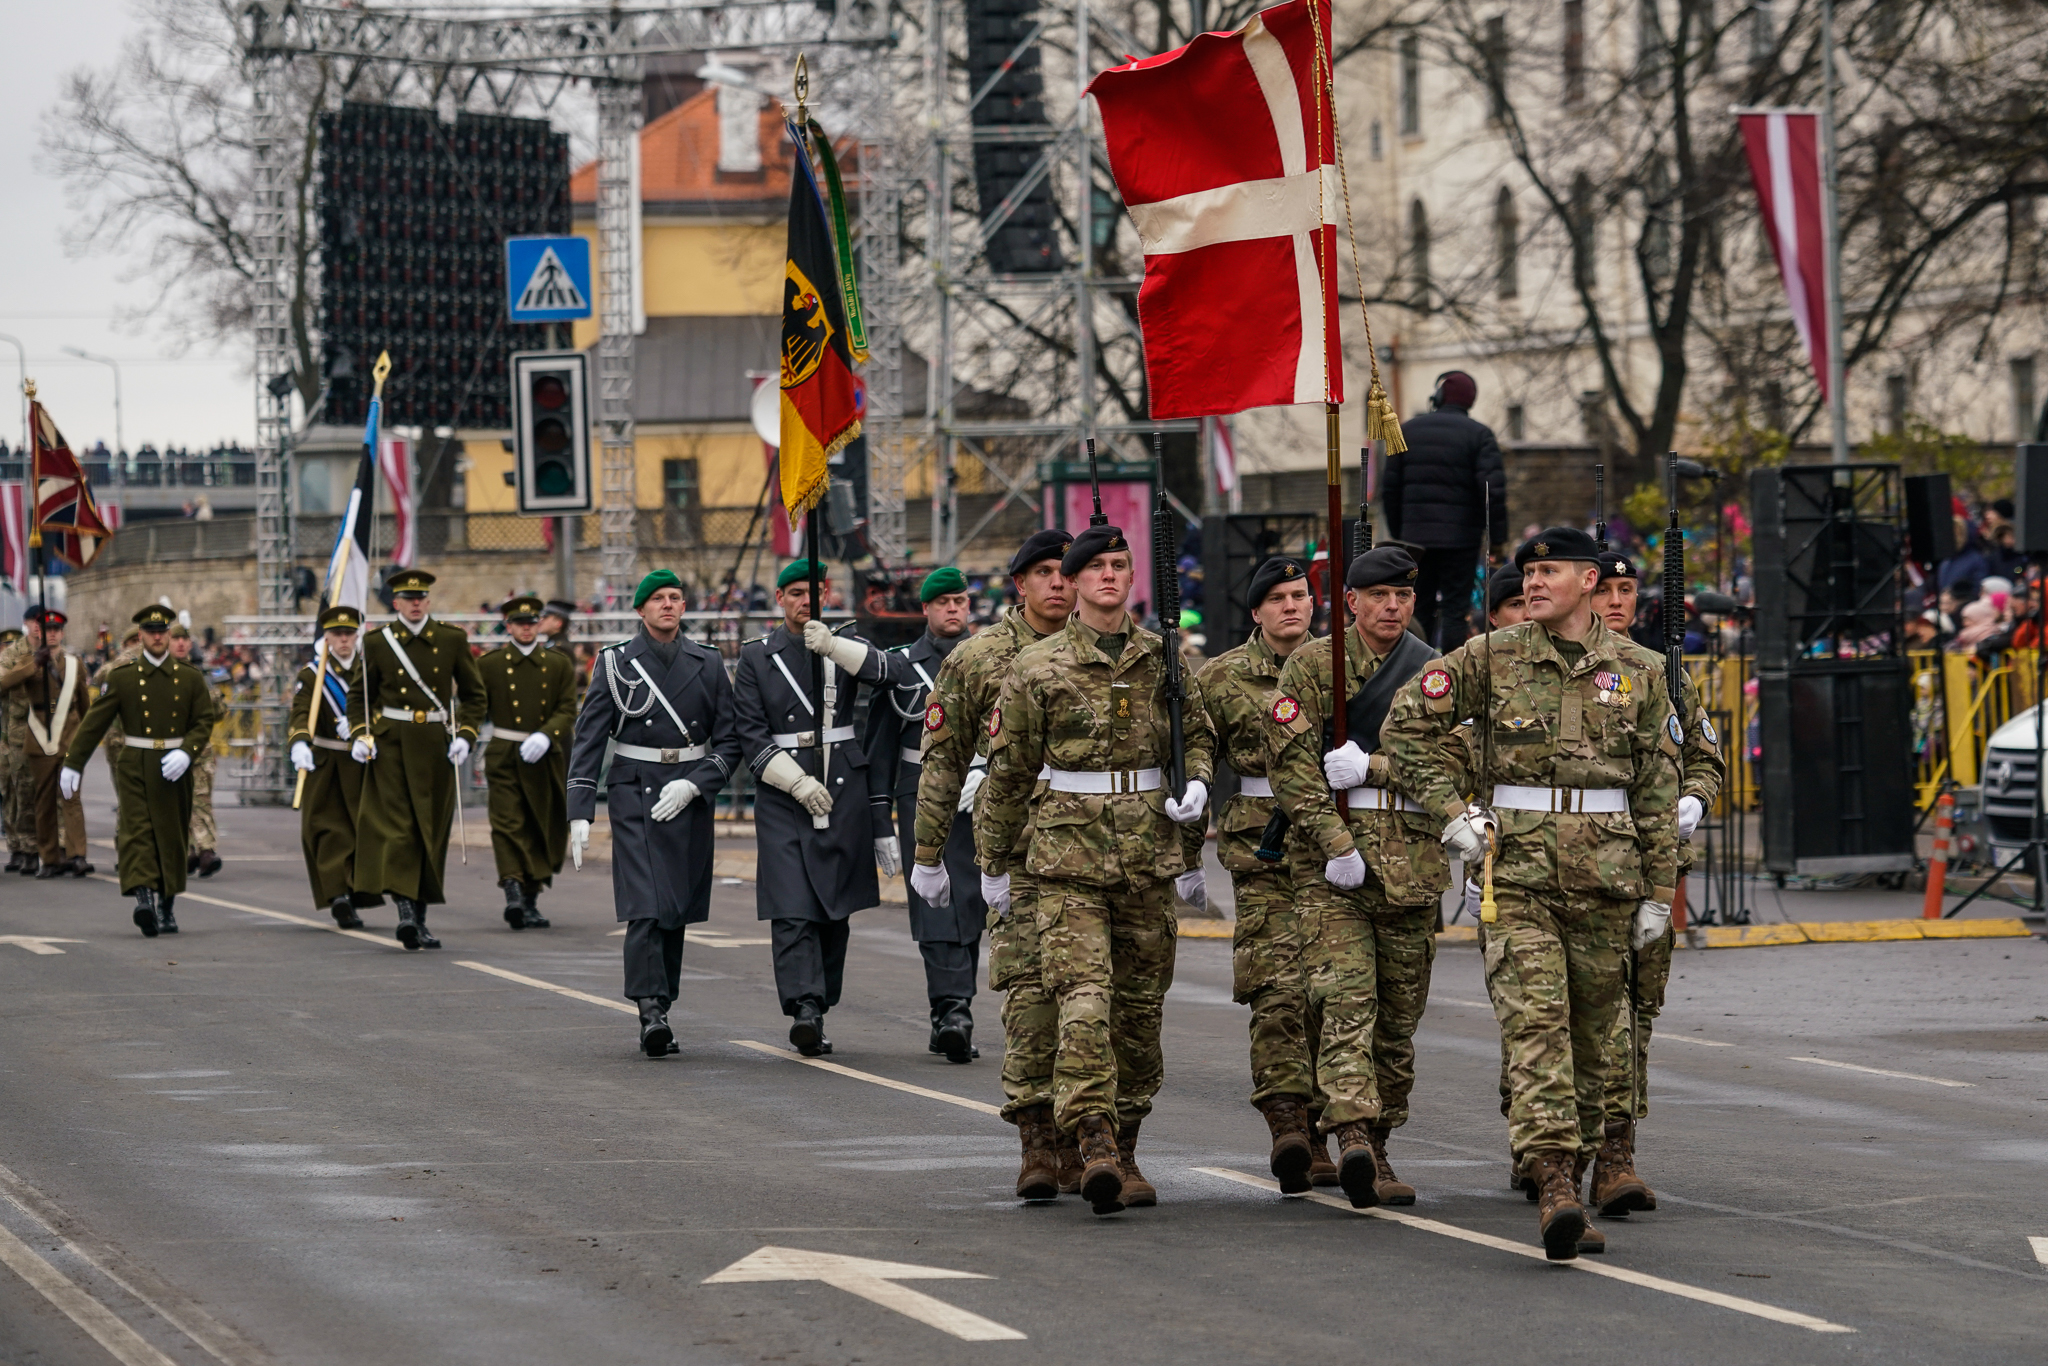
(547, 279)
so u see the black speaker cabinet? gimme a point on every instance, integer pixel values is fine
(1837, 767)
(1930, 519)
(1829, 543)
(2030, 497)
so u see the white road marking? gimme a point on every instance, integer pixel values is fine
(1616, 1273)
(1687, 1038)
(1880, 1072)
(710, 939)
(963, 1102)
(2040, 1250)
(570, 992)
(873, 1281)
(307, 921)
(123, 1343)
(36, 943)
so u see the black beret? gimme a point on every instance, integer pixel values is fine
(1274, 572)
(1049, 544)
(1615, 565)
(1385, 564)
(1558, 543)
(1506, 583)
(1096, 540)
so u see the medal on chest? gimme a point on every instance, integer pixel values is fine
(1613, 689)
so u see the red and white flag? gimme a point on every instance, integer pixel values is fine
(1224, 153)
(14, 535)
(1223, 456)
(1784, 148)
(395, 461)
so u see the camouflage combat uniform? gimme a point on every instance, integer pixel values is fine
(205, 833)
(1104, 864)
(1369, 950)
(1237, 690)
(16, 787)
(1567, 884)
(956, 726)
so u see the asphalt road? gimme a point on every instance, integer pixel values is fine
(262, 1141)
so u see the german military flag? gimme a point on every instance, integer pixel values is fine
(820, 404)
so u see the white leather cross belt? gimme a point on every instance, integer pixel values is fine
(418, 718)
(1602, 801)
(1104, 784)
(646, 754)
(807, 739)
(1376, 799)
(140, 743)
(1255, 787)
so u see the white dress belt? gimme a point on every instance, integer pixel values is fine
(807, 739)
(178, 743)
(1255, 787)
(1604, 801)
(689, 754)
(319, 743)
(1377, 799)
(916, 756)
(1104, 784)
(503, 733)
(418, 717)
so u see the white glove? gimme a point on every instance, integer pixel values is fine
(1345, 766)
(1193, 888)
(534, 746)
(1466, 834)
(975, 778)
(1652, 919)
(674, 797)
(579, 835)
(932, 884)
(340, 728)
(1346, 872)
(996, 892)
(363, 750)
(458, 750)
(787, 774)
(302, 756)
(174, 764)
(1690, 809)
(847, 653)
(67, 783)
(889, 855)
(1472, 897)
(1190, 808)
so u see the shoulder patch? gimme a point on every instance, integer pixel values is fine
(995, 722)
(1285, 710)
(1708, 733)
(1673, 729)
(934, 717)
(1436, 683)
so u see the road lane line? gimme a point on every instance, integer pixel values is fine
(963, 1102)
(123, 1343)
(570, 992)
(1880, 1072)
(873, 1281)
(2040, 1250)
(1691, 1292)
(328, 925)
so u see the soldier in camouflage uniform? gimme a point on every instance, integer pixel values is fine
(1581, 796)
(17, 801)
(1369, 881)
(1615, 1188)
(1088, 705)
(1237, 689)
(953, 772)
(203, 859)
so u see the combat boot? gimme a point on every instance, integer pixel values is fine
(1322, 1168)
(419, 915)
(1617, 1190)
(1293, 1151)
(530, 917)
(1592, 1240)
(77, 866)
(14, 861)
(209, 863)
(1138, 1192)
(1357, 1173)
(343, 909)
(166, 923)
(655, 1034)
(408, 930)
(1561, 1219)
(515, 903)
(954, 1031)
(1067, 1154)
(1038, 1179)
(1390, 1188)
(28, 864)
(145, 911)
(1102, 1173)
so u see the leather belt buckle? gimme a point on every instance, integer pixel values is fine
(419, 718)
(671, 756)
(806, 739)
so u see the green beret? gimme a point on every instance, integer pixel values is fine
(797, 569)
(947, 580)
(654, 583)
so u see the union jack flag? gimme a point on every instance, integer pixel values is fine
(66, 516)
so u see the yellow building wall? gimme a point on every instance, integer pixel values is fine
(730, 466)
(699, 270)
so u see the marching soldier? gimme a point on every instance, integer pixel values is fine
(17, 791)
(167, 713)
(1087, 705)
(131, 648)
(531, 705)
(815, 838)
(1237, 688)
(954, 769)
(664, 708)
(203, 860)
(1368, 882)
(948, 935)
(1579, 785)
(47, 695)
(423, 700)
(331, 804)
(555, 617)
(1615, 1188)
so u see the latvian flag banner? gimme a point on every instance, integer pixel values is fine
(1784, 160)
(1224, 153)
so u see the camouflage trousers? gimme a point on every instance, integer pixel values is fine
(1108, 963)
(1554, 965)
(1368, 965)
(1031, 1018)
(1653, 974)
(17, 800)
(1267, 974)
(205, 834)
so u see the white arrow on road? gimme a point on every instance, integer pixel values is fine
(871, 1280)
(36, 943)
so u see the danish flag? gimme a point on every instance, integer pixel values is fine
(1224, 153)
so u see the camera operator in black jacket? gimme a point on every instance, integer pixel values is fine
(1432, 497)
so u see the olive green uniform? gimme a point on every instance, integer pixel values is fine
(160, 706)
(528, 691)
(333, 794)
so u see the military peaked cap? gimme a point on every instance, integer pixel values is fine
(410, 581)
(155, 617)
(341, 617)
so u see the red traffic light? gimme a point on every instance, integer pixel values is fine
(549, 393)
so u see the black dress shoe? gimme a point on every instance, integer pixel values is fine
(427, 940)
(807, 1031)
(209, 863)
(955, 1032)
(166, 923)
(344, 911)
(674, 1048)
(657, 1040)
(49, 870)
(77, 866)
(145, 911)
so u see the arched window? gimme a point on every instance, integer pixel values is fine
(1584, 223)
(1507, 230)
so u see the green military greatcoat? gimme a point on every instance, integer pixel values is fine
(162, 701)
(529, 690)
(333, 795)
(409, 801)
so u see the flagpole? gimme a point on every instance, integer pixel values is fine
(1838, 398)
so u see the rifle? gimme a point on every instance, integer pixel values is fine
(1489, 910)
(1166, 592)
(1098, 517)
(1600, 508)
(1674, 592)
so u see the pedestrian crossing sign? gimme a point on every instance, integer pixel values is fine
(547, 279)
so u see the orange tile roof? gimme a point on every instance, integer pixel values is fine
(679, 162)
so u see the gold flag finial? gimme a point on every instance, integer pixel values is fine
(803, 88)
(378, 372)
(28, 388)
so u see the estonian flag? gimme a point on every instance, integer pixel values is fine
(348, 568)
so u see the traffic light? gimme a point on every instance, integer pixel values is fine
(551, 431)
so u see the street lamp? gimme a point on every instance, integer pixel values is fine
(120, 445)
(21, 354)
